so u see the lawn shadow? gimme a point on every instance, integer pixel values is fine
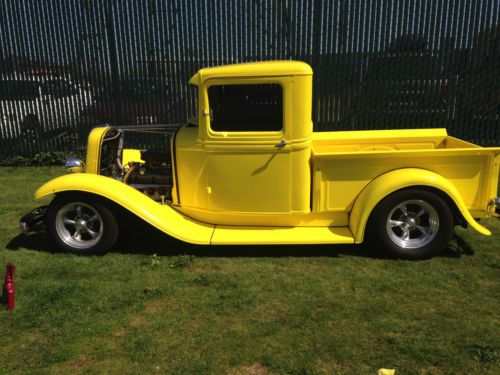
(150, 240)
(141, 238)
(154, 241)
(457, 247)
(37, 240)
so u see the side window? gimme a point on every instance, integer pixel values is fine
(246, 107)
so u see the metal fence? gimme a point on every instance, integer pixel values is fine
(379, 64)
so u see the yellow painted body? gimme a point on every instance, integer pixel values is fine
(353, 171)
(94, 145)
(131, 155)
(160, 216)
(318, 188)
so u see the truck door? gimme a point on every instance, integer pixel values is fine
(248, 156)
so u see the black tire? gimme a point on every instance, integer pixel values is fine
(90, 216)
(420, 235)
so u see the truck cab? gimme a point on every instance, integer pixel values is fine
(252, 139)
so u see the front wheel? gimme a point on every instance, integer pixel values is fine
(81, 225)
(411, 224)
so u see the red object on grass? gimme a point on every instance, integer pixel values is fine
(9, 292)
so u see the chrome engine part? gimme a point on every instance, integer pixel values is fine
(153, 177)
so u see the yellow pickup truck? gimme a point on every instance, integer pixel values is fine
(250, 170)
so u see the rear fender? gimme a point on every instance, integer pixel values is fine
(163, 217)
(399, 179)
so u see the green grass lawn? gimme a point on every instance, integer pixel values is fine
(243, 310)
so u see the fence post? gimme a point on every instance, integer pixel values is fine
(113, 57)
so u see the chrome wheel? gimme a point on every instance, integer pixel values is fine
(412, 224)
(79, 225)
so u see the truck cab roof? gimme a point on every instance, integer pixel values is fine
(253, 69)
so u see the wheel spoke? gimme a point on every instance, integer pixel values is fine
(79, 211)
(395, 223)
(421, 229)
(92, 233)
(404, 210)
(93, 218)
(77, 235)
(406, 235)
(69, 221)
(420, 213)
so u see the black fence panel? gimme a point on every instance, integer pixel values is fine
(379, 64)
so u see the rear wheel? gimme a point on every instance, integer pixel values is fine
(81, 225)
(411, 224)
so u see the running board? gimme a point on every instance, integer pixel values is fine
(239, 235)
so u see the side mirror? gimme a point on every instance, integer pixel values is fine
(74, 165)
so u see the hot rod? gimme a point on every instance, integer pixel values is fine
(250, 170)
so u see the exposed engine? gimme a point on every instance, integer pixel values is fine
(152, 176)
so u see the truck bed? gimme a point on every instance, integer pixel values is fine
(325, 143)
(345, 162)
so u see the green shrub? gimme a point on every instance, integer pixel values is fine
(40, 159)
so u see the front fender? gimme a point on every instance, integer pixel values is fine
(399, 179)
(163, 217)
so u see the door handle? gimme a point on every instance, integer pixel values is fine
(209, 113)
(281, 144)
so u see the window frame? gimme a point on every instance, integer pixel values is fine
(271, 135)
